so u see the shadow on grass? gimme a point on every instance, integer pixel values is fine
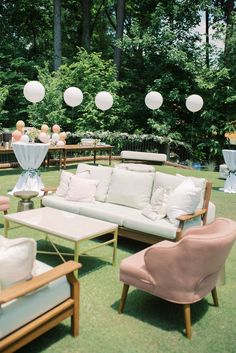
(128, 245)
(42, 343)
(89, 263)
(160, 313)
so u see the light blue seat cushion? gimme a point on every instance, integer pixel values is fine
(19, 312)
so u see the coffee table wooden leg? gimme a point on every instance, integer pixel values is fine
(115, 247)
(6, 227)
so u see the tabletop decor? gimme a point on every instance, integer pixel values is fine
(230, 160)
(30, 156)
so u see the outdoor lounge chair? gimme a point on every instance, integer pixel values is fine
(30, 308)
(182, 272)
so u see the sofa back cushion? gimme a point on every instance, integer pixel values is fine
(128, 188)
(17, 258)
(163, 181)
(136, 167)
(101, 174)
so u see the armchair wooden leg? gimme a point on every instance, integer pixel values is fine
(215, 297)
(123, 298)
(75, 294)
(187, 317)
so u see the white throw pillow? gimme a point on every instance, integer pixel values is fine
(199, 183)
(81, 189)
(157, 209)
(17, 258)
(132, 189)
(100, 173)
(64, 183)
(183, 200)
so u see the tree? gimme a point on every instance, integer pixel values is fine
(57, 34)
(86, 34)
(120, 17)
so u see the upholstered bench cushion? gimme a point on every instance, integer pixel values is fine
(19, 312)
(144, 156)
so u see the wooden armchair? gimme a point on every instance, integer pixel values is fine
(69, 307)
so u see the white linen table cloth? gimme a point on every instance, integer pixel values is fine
(30, 156)
(230, 160)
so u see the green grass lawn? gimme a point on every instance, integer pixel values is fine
(148, 324)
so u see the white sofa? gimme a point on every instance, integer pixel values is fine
(121, 196)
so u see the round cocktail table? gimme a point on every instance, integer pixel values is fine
(25, 203)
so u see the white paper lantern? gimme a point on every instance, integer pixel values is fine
(34, 91)
(153, 100)
(73, 96)
(24, 138)
(194, 103)
(104, 100)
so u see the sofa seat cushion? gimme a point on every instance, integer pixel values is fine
(131, 189)
(107, 212)
(19, 312)
(162, 227)
(60, 203)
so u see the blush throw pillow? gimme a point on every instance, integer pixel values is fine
(17, 257)
(64, 183)
(82, 190)
(183, 200)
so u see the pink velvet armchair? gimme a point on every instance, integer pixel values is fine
(4, 204)
(182, 272)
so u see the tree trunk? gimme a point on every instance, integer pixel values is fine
(207, 38)
(57, 34)
(86, 34)
(229, 11)
(120, 17)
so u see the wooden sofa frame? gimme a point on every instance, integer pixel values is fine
(43, 323)
(152, 239)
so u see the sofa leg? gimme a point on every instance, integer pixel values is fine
(215, 297)
(123, 298)
(187, 317)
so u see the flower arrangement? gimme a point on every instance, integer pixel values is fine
(33, 133)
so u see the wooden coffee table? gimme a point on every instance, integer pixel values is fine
(65, 225)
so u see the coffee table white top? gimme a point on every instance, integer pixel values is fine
(62, 224)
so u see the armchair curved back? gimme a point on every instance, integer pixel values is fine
(184, 272)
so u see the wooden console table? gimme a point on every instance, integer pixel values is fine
(94, 149)
(63, 152)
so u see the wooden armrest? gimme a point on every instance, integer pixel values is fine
(188, 217)
(47, 190)
(37, 282)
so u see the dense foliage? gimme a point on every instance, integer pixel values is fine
(161, 51)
